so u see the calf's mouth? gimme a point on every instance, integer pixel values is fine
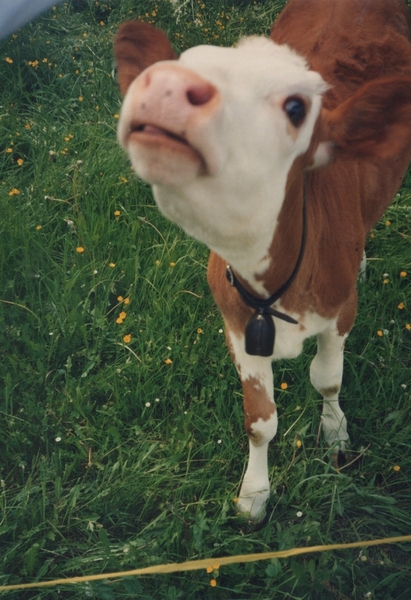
(155, 130)
(159, 138)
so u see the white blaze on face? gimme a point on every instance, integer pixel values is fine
(250, 142)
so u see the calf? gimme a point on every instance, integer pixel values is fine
(280, 155)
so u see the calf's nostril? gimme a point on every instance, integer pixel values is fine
(200, 94)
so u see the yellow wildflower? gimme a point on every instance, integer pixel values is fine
(80, 249)
(119, 320)
(380, 333)
(117, 213)
(38, 227)
(9, 60)
(168, 361)
(14, 192)
(284, 386)
(401, 305)
(396, 468)
(20, 161)
(112, 265)
(213, 583)
(120, 298)
(126, 300)
(122, 315)
(127, 338)
(403, 274)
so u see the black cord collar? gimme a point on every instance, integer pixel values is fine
(260, 329)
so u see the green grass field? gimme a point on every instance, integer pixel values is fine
(121, 426)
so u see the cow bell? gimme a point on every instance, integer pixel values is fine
(260, 335)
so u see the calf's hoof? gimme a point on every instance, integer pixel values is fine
(252, 507)
(340, 454)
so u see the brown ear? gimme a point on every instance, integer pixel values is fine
(137, 46)
(375, 121)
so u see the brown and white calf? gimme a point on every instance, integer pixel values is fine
(280, 155)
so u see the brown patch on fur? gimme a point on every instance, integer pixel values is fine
(235, 312)
(257, 405)
(330, 391)
(347, 314)
(255, 437)
(292, 131)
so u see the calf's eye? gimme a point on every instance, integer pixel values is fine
(295, 110)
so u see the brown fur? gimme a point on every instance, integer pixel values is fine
(349, 42)
(257, 405)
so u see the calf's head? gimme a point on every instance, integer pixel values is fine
(216, 131)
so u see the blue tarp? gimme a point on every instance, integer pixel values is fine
(15, 13)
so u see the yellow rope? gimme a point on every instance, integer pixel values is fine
(193, 565)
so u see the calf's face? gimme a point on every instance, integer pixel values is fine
(216, 133)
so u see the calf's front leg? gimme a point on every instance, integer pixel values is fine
(260, 417)
(326, 375)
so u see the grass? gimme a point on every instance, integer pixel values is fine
(122, 439)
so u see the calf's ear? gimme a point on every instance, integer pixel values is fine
(375, 121)
(137, 46)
